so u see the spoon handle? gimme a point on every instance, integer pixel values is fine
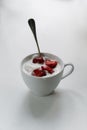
(32, 25)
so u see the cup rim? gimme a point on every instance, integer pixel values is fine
(42, 53)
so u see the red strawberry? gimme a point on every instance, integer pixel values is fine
(47, 68)
(38, 59)
(38, 72)
(51, 63)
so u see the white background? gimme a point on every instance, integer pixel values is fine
(61, 30)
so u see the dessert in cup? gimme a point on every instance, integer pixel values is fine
(42, 72)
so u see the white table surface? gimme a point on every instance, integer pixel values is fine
(61, 30)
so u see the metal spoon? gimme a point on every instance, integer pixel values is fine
(32, 25)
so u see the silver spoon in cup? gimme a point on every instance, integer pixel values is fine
(32, 25)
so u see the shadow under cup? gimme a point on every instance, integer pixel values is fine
(45, 85)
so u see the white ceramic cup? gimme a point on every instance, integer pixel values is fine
(43, 86)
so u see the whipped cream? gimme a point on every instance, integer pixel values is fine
(29, 66)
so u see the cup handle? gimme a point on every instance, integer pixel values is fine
(70, 71)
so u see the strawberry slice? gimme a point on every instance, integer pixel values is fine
(48, 69)
(51, 63)
(38, 59)
(38, 72)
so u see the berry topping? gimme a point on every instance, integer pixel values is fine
(38, 72)
(48, 69)
(38, 59)
(51, 63)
